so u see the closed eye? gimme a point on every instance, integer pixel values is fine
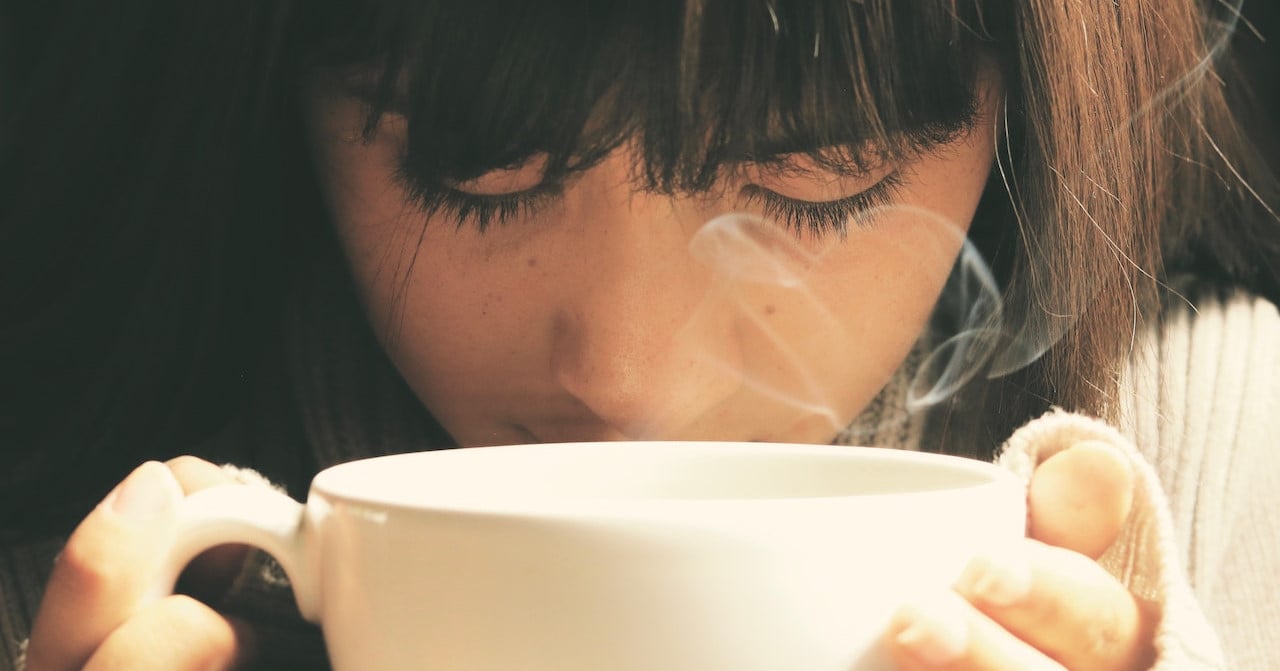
(828, 217)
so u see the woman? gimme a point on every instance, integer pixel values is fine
(282, 236)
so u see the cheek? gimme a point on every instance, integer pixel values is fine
(879, 293)
(442, 303)
(371, 214)
(865, 304)
(463, 324)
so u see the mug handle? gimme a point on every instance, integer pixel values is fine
(251, 515)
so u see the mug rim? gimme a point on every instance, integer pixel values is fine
(329, 483)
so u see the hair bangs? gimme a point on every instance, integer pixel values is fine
(848, 84)
(697, 86)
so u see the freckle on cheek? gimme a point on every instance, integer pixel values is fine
(533, 262)
(488, 301)
(769, 309)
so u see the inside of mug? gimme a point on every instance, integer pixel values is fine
(647, 471)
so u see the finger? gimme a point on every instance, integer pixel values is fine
(1064, 604)
(1080, 497)
(176, 633)
(195, 474)
(944, 633)
(106, 569)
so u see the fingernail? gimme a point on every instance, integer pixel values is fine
(148, 491)
(936, 632)
(998, 579)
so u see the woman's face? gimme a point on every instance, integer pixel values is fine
(610, 312)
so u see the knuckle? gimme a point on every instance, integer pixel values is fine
(84, 567)
(176, 633)
(185, 615)
(210, 641)
(186, 461)
(1050, 611)
(194, 473)
(1104, 635)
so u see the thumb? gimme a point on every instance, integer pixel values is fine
(107, 569)
(1079, 498)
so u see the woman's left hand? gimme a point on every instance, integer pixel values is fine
(1044, 603)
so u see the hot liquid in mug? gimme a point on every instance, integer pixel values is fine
(636, 556)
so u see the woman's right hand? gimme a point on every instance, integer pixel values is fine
(100, 610)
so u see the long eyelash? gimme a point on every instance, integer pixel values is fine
(827, 217)
(816, 218)
(478, 210)
(482, 211)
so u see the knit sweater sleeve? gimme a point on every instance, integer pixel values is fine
(1198, 419)
(1144, 557)
(1202, 403)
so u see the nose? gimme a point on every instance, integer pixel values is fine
(640, 338)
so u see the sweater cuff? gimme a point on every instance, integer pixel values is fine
(1144, 556)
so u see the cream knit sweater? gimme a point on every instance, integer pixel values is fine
(1199, 421)
(1203, 408)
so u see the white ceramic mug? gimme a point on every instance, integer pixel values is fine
(640, 556)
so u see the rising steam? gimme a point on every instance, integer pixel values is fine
(968, 335)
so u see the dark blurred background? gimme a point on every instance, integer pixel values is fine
(1261, 60)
